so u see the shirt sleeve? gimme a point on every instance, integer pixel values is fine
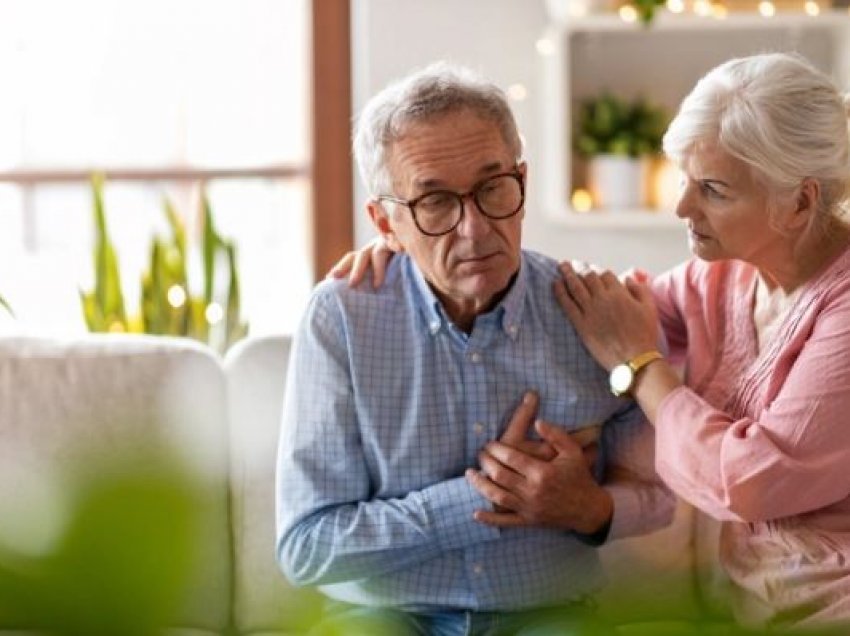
(791, 460)
(642, 503)
(330, 527)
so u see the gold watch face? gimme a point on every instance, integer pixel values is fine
(621, 379)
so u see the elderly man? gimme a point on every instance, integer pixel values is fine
(394, 392)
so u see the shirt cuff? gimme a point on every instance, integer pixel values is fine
(450, 505)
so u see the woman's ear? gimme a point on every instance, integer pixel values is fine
(381, 221)
(805, 204)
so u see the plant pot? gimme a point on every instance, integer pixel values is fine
(617, 182)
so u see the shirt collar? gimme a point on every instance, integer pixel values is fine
(509, 308)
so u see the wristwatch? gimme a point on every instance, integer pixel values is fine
(623, 376)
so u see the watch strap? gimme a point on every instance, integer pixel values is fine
(640, 361)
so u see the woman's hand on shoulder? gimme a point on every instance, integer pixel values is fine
(374, 256)
(616, 319)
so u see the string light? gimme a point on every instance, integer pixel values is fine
(702, 8)
(675, 6)
(581, 200)
(767, 9)
(214, 313)
(545, 46)
(628, 13)
(176, 296)
(812, 8)
(719, 11)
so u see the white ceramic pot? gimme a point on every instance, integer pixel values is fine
(617, 182)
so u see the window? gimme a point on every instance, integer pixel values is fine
(163, 97)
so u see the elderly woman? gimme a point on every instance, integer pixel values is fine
(753, 433)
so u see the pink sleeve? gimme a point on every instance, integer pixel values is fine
(794, 459)
(666, 290)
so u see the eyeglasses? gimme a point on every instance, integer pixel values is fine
(440, 211)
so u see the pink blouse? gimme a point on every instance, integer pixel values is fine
(761, 441)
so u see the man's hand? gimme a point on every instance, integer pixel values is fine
(528, 490)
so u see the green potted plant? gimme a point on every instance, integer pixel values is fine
(168, 306)
(615, 136)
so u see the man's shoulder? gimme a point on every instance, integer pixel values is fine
(540, 272)
(363, 297)
(540, 265)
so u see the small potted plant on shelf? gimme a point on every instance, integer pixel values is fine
(616, 136)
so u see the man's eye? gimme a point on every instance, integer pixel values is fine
(436, 201)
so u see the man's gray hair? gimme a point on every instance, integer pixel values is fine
(427, 94)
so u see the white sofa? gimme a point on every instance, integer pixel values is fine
(223, 414)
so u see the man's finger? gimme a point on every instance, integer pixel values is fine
(513, 459)
(499, 519)
(521, 420)
(558, 437)
(498, 473)
(587, 435)
(490, 491)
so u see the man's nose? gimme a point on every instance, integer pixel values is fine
(473, 223)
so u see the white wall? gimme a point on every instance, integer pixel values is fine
(497, 38)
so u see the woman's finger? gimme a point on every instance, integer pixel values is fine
(381, 255)
(362, 260)
(342, 266)
(575, 285)
(567, 303)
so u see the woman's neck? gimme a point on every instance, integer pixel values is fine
(807, 257)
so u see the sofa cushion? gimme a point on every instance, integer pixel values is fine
(263, 599)
(136, 395)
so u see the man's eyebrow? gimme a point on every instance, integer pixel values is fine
(439, 184)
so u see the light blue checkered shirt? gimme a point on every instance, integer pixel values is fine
(387, 403)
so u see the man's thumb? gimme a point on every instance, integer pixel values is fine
(557, 437)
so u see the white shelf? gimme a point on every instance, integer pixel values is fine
(632, 219)
(601, 52)
(665, 21)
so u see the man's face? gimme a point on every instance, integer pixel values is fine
(471, 266)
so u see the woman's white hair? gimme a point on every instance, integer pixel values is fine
(432, 92)
(778, 114)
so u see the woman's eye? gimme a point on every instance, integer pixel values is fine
(712, 191)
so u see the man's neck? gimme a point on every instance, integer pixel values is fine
(463, 312)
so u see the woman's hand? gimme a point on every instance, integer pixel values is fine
(615, 319)
(375, 255)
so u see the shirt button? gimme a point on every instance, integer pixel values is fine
(475, 357)
(478, 427)
(512, 329)
(477, 569)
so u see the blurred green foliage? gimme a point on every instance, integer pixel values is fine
(6, 306)
(608, 124)
(122, 564)
(168, 306)
(646, 9)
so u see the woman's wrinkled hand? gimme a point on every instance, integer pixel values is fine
(374, 256)
(615, 319)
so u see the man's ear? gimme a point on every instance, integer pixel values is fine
(381, 221)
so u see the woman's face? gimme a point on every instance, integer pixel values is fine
(725, 207)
